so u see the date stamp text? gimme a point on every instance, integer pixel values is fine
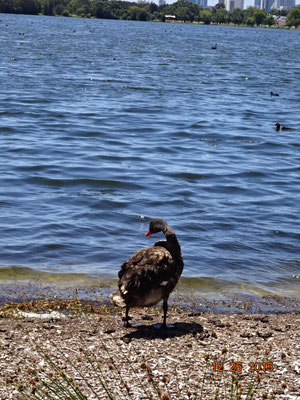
(241, 367)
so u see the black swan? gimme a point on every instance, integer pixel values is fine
(274, 94)
(282, 128)
(151, 273)
(214, 47)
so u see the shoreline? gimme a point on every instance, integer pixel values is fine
(19, 285)
(203, 356)
(184, 295)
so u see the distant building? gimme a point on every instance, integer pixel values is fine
(280, 21)
(267, 5)
(257, 4)
(231, 4)
(284, 4)
(202, 3)
(239, 4)
(170, 17)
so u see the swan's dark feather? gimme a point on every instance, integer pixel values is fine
(152, 255)
(147, 270)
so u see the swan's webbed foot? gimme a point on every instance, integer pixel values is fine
(127, 324)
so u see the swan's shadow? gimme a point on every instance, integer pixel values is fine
(150, 332)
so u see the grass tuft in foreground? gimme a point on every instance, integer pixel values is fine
(78, 374)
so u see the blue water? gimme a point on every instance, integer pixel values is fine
(106, 124)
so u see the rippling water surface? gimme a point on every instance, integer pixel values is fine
(106, 124)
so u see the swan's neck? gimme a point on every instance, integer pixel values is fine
(172, 242)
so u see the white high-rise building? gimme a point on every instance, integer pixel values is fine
(231, 4)
(239, 4)
(257, 4)
(202, 3)
(267, 5)
(287, 4)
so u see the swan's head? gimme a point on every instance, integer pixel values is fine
(156, 225)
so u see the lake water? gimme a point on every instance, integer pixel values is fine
(106, 124)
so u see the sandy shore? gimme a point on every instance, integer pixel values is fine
(44, 343)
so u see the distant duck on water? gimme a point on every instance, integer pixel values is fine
(274, 94)
(282, 128)
(214, 47)
(150, 274)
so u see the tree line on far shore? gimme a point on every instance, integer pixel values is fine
(182, 10)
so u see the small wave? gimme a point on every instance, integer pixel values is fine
(54, 246)
(189, 176)
(138, 88)
(247, 174)
(79, 182)
(6, 129)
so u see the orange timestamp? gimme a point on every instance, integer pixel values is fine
(239, 367)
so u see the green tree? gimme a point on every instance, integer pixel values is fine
(47, 7)
(259, 16)
(133, 12)
(78, 7)
(250, 21)
(293, 17)
(143, 15)
(220, 17)
(137, 13)
(219, 6)
(278, 12)
(152, 7)
(183, 9)
(249, 12)
(125, 15)
(205, 16)
(103, 9)
(269, 20)
(28, 6)
(6, 6)
(237, 16)
(183, 14)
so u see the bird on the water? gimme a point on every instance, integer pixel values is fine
(274, 94)
(150, 274)
(282, 128)
(214, 47)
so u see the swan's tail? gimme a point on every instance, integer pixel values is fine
(117, 299)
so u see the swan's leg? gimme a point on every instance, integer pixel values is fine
(126, 319)
(165, 310)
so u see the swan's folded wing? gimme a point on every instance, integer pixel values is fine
(147, 268)
(150, 256)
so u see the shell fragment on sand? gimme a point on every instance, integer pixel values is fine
(46, 316)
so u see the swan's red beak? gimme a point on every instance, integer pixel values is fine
(148, 233)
